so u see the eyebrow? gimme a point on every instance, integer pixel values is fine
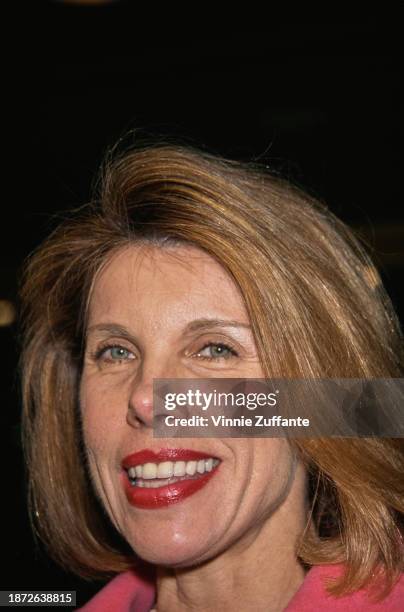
(197, 325)
(200, 324)
(111, 328)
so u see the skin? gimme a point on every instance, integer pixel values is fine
(233, 541)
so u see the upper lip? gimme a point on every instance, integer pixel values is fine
(164, 454)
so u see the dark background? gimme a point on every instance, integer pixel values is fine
(317, 101)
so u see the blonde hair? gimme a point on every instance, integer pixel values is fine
(317, 308)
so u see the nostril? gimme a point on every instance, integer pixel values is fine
(140, 405)
(133, 420)
(140, 413)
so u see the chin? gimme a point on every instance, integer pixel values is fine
(175, 551)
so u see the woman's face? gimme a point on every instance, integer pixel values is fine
(176, 313)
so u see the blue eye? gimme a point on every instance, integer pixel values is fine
(114, 354)
(118, 353)
(217, 351)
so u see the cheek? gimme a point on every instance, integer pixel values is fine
(101, 426)
(101, 422)
(274, 473)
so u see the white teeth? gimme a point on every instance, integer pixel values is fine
(179, 468)
(132, 473)
(190, 468)
(165, 469)
(148, 472)
(200, 468)
(154, 484)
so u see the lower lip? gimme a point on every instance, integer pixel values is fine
(165, 496)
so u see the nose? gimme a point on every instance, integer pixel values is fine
(140, 404)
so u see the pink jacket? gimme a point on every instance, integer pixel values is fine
(129, 592)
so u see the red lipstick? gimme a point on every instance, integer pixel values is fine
(164, 454)
(168, 494)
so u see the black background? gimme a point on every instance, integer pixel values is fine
(316, 100)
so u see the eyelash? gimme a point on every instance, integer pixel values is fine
(232, 351)
(97, 355)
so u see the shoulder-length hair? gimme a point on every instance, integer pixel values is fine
(317, 308)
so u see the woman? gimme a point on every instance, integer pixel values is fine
(191, 266)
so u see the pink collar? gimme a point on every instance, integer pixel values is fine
(135, 592)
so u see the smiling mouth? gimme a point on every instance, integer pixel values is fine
(155, 475)
(157, 479)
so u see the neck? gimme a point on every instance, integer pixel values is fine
(227, 591)
(259, 572)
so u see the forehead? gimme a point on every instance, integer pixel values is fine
(155, 279)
